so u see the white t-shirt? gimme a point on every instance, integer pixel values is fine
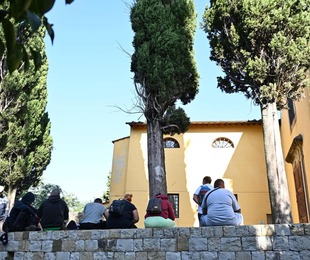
(221, 204)
(197, 192)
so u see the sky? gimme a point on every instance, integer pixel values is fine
(89, 79)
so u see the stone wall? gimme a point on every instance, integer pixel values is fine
(243, 242)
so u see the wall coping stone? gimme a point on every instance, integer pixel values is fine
(257, 242)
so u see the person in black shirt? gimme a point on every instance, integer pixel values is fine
(127, 219)
(53, 212)
(23, 216)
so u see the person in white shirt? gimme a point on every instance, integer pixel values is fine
(200, 193)
(220, 207)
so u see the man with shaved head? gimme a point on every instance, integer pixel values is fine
(220, 207)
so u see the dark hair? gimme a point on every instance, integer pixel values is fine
(218, 183)
(206, 179)
(98, 200)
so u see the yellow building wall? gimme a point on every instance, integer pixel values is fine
(300, 127)
(242, 167)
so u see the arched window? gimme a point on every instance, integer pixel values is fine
(222, 142)
(171, 143)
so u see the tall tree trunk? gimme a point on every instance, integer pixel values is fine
(277, 182)
(156, 159)
(11, 196)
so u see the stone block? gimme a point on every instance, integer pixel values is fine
(229, 231)
(68, 245)
(128, 233)
(57, 245)
(280, 243)
(151, 244)
(138, 245)
(231, 244)
(297, 230)
(184, 232)
(182, 244)
(47, 246)
(260, 255)
(144, 232)
(173, 256)
(298, 243)
(63, 256)
(243, 256)
(195, 232)
(227, 255)
(124, 245)
(282, 230)
(198, 244)
(169, 244)
(91, 245)
(266, 230)
(214, 244)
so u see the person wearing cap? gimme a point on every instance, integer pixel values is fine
(53, 212)
(93, 215)
(4, 206)
(23, 215)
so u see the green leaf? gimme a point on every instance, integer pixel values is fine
(2, 48)
(18, 7)
(26, 60)
(69, 1)
(14, 58)
(45, 6)
(49, 29)
(3, 13)
(33, 20)
(9, 34)
(37, 58)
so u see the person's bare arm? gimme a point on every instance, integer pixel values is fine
(135, 216)
(196, 198)
(106, 214)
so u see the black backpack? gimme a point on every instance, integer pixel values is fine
(117, 208)
(154, 206)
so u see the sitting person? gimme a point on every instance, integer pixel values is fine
(164, 219)
(93, 214)
(127, 217)
(53, 212)
(23, 215)
(220, 207)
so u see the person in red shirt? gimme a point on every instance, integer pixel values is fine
(164, 219)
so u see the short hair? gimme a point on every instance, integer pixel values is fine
(218, 183)
(55, 192)
(206, 179)
(98, 200)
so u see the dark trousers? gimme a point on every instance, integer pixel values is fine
(100, 225)
(22, 221)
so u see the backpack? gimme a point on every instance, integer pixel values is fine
(203, 190)
(154, 206)
(117, 208)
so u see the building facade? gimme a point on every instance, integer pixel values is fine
(295, 133)
(232, 151)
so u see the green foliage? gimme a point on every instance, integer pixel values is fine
(163, 61)
(175, 121)
(43, 191)
(25, 141)
(106, 194)
(29, 14)
(262, 46)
